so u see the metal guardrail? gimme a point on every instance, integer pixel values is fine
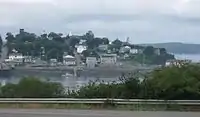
(96, 101)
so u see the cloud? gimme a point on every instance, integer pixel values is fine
(141, 20)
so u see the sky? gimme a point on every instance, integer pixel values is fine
(143, 21)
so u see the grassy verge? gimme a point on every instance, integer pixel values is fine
(136, 107)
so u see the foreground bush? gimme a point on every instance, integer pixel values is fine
(175, 83)
(181, 83)
(32, 88)
(129, 87)
(171, 83)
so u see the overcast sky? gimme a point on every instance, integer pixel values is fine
(141, 20)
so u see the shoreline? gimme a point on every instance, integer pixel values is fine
(106, 72)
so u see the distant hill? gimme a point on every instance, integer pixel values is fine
(177, 48)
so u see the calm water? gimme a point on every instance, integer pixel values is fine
(68, 82)
(193, 57)
(75, 82)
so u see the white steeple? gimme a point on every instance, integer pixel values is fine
(70, 34)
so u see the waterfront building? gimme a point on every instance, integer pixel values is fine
(134, 51)
(103, 47)
(124, 49)
(53, 62)
(91, 62)
(177, 62)
(80, 48)
(108, 58)
(69, 60)
(15, 58)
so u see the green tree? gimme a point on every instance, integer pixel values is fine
(10, 37)
(163, 51)
(54, 54)
(117, 42)
(32, 88)
(176, 82)
(8, 91)
(149, 51)
(1, 44)
(1, 41)
(105, 40)
(89, 35)
(73, 41)
(56, 37)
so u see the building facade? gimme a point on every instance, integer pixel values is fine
(177, 62)
(108, 58)
(124, 49)
(16, 58)
(69, 60)
(91, 62)
(134, 51)
(80, 48)
(103, 47)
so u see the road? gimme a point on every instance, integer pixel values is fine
(90, 113)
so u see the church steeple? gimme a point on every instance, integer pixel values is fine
(70, 34)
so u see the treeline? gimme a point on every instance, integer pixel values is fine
(1, 44)
(171, 83)
(50, 45)
(149, 57)
(53, 46)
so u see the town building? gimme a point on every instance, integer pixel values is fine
(109, 51)
(124, 49)
(114, 50)
(69, 60)
(28, 59)
(176, 62)
(82, 42)
(103, 47)
(15, 58)
(140, 51)
(126, 56)
(53, 62)
(134, 51)
(108, 58)
(91, 62)
(81, 48)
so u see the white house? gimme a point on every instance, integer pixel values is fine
(126, 56)
(134, 51)
(82, 41)
(125, 49)
(108, 58)
(69, 60)
(28, 59)
(81, 48)
(91, 62)
(53, 62)
(16, 58)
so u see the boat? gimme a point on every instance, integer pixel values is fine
(67, 75)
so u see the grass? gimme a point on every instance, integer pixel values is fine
(136, 107)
